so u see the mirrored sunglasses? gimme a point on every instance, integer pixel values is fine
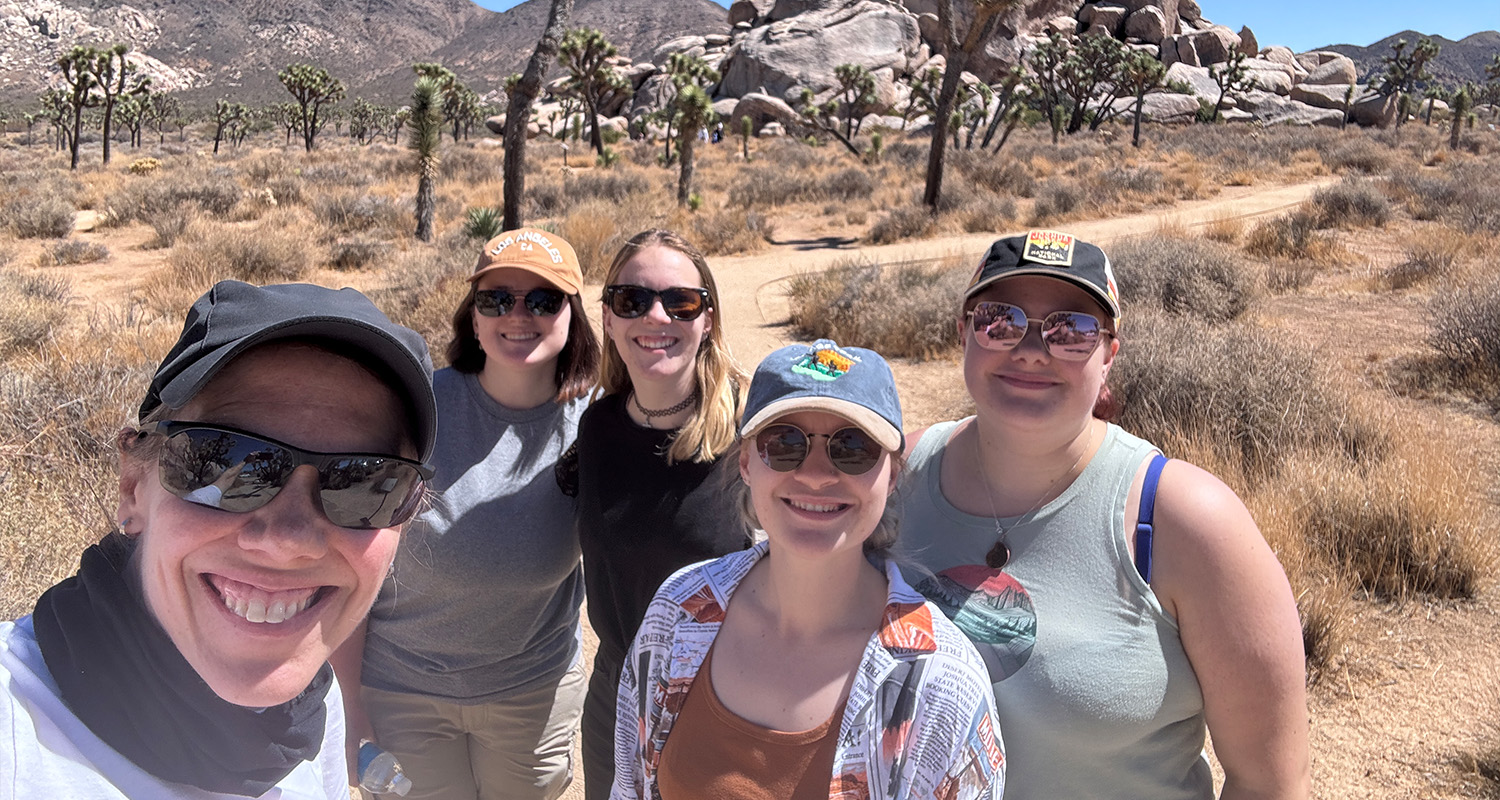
(1068, 335)
(541, 301)
(235, 471)
(684, 303)
(784, 447)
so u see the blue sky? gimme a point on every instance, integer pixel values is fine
(1305, 24)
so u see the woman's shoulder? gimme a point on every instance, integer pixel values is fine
(923, 442)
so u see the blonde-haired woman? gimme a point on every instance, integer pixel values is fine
(650, 457)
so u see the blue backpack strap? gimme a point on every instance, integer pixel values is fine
(1143, 531)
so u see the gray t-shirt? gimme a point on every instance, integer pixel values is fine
(484, 601)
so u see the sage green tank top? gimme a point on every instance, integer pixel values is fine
(1094, 692)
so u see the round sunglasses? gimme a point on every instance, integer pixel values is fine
(1068, 335)
(683, 303)
(541, 301)
(784, 447)
(232, 470)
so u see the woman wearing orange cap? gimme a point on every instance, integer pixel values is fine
(1124, 604)
(471, 659)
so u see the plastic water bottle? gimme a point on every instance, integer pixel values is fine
(380, 772)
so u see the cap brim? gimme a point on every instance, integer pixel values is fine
(880, 429)
(1103, 300)
(548, 277)
(382, 348)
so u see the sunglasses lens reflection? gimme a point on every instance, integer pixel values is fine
(852, 451)
(629, 302)
(784, 448)
(238, 473)
(1067, 335)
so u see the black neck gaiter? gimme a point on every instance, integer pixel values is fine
(121, 675)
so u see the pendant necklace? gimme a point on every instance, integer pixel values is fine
(999, 554)
(653, 413)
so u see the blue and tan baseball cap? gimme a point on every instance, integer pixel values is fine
(1056, 255)
(852, 382)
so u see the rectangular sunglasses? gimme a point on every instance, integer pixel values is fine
(232, 470)
(683, 303)
(541, 301)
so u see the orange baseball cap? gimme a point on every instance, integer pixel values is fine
(537, 251)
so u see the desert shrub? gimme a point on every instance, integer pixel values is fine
(1196, 277)
(1359, 156)
(266, 166)
(38, 216)
(1425, 196)
(1350, 204)
(1003, 176)
(358, 253)
(144, 166)
(903, 222)
(1057, 197)
(906, 154)
(72, 251)
(35, 306)
(1225, 229)
(1478, 208)
(1465, 330)
(423, 287)
(470, 165)
(353, 212)
(1115, 183)
(545, 199)
(851, 183)
(338, 173)
(615, 186)
(272, 252)
(7, 254)
(987, 213)
(1290, 276)
(286, 189)
(900, 310)
(1294, 236)
(1426, 260)
(1407, 524)
(483, 222)
(169, 223)
(595, 235)
(210, 193)
(1256, 398)
(730, 230)
(794, 155)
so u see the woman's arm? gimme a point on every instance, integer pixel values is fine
(627, 784)
(1238, 620)
(348, 663)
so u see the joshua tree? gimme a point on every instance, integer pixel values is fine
(132, 114)
(1433, 94)
(986, 13)
(312, 88)
(78, 77)
(518, 113)
(1140, 73)
(426, 133)
(164, 107)
(1045, 67)
(747, 127)
(823, 117)
(1461, 106)
(112, 80)
(227, 117)
(1090, 74)
(682, 70)
(1005, 89)
(1403, 70)
(30, 123)
(694, 110)
(1348, 103)
(1232, 78)
(585, 53)
(923, 86)
(856, 94)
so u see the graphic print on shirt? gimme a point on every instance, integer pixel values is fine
(992, 608)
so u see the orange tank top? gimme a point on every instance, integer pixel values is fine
(714, 752)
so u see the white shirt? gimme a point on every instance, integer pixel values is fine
(47, 752)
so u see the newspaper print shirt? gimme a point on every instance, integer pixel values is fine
(919, 723)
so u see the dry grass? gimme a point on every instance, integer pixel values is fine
(37, 215)
(278, 249)
(1196, 277)
(1225, 228)
(727, 230)
(1295, 236)
(905, 222)
(1350, 203)
(900, 310)
(35, 306)
(69, 252)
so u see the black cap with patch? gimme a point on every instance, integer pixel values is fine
(1054, 254)
(232, 317)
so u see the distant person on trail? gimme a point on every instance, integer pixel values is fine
(188, 657)
(649, 470)
(806, 667)
(471, 662)
(1124, 603)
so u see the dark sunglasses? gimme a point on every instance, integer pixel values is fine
(683, 303)
(784, 447)
(541, 301)
(235, 471)
(1068, 335)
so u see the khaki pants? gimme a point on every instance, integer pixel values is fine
(518, 749)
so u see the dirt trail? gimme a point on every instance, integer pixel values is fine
(755, 308)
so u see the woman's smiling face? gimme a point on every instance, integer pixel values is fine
(654, 346)
(206, 574)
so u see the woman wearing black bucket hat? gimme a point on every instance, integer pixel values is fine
(279, 451)
(1122, 602)
(806, 667)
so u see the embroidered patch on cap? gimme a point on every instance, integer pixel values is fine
(825, 361)
(1053, 248)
